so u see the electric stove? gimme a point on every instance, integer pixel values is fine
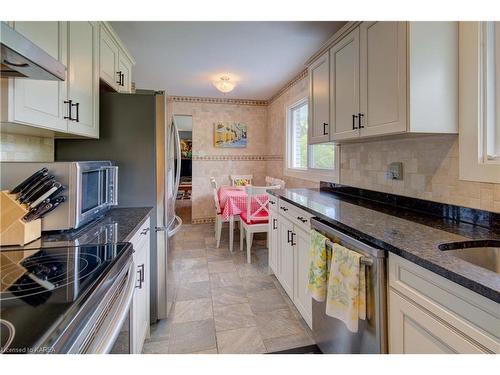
(49, 295)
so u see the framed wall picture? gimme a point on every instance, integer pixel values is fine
(229, 134)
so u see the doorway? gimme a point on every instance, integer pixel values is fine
(183, 203)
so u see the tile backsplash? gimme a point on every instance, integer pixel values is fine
(430, 171)
(17, 147)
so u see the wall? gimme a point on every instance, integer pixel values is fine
(222, 162)
(16, 147)
(430, 167)
(275, 130)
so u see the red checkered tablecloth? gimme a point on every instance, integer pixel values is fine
(233, 200)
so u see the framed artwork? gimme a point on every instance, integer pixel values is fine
(186, 148)
(229, 134)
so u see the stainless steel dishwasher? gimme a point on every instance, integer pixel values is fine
(330, 334)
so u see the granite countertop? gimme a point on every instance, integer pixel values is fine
(411, 235)
(117, 225)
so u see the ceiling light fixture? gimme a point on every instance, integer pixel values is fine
(224, 84)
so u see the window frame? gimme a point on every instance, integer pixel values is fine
(474, 164)
(308, 173)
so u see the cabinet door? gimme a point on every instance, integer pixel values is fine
(125, 68)
(319, 100)
(83, 80)
(41, 103)
(273, 242)
(285, 260)
(413, 330)
(344, 87)
(383, 77)
(108, 59)
(301, 296)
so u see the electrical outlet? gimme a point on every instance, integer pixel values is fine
(395, 171)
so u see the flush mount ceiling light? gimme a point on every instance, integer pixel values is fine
(224, 84)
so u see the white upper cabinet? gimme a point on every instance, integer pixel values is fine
(382, 78)
(36, 102)
(344, 88)
(109, 59)
(115, 62)
(387, 78)
(83, 79)
(319, 100)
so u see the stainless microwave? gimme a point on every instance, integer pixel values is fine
(91, 189)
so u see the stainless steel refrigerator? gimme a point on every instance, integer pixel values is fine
(137, 135)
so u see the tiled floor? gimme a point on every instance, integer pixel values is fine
(223, 304)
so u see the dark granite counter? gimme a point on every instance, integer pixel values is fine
(412, 235)
(118, 225)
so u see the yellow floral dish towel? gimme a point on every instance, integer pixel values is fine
(319, 261)
(346, 294)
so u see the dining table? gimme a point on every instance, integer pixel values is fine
(233, 201)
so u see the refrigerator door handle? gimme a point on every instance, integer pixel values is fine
(178, 156)
(176, 228)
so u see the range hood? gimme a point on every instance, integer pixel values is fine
(22, 58)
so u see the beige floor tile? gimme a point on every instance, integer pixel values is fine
(251, 270)
(220, 280)
(233, 316)
(240, 341)
(221, 266)
(257, 283)
(196, 290)
(192, 263)
(229, 295)
(208, 351)
(155, 347)
(278, 323)
(160, 331)
(266, 300)
(191, 253)
(194, 310)
(277, 344)
(192, 337)
(192, 276)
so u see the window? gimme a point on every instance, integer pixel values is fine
(491, 91)
(312, 162)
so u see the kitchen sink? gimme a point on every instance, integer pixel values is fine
(482, 253)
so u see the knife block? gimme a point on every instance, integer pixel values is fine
(13, 229)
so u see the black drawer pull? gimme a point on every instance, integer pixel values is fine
(324, 128)
(354, 122)
(77, 105)
(275, 221)
(293, 243)
(70, 106)
(359, 120)
(145, 231)
(302, 219)
(288, 236)
(284, 208)
(272, 202)
(119, 77)
(141, 276)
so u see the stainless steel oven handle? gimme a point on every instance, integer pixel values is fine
(112, 331)
(111, 170)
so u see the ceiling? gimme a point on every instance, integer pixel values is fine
(184, 58)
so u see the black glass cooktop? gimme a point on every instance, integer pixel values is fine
(42, 289)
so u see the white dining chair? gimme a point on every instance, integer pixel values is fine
(241, 179)
(254, 221)
(218, 216)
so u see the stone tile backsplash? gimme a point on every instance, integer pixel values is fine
(430, 171)
(17, 147)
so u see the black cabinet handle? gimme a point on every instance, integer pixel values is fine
(275, 221)
(284, 208)
(145, 231)
(293, 243)
(359, 120)
(77, 105)
(324, 128)
(354, 122)
(272, 202)
(119, 77)
(70, 104)
(301, 218)
(288, 236)
(122, 79)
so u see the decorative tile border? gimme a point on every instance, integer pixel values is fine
(292, 82)
(199, 99)
(203, 220)
(237, 157)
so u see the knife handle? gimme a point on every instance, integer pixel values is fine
(37, 192)
(26, 192)
(44, 196)
(27, 181)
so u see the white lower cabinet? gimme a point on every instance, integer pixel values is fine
(430, 314)
(289, 254)
(139, 318)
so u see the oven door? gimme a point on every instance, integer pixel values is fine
(123, 343)
(97, 190)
